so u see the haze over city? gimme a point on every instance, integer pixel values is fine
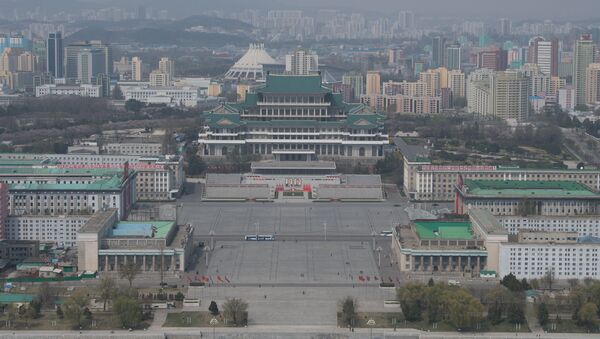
(299, 169)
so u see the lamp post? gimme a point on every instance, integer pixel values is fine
(213, 323)
(325, 229)
(371, 323)
(379, 249)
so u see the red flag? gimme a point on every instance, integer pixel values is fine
(361, 278)
(219, 278)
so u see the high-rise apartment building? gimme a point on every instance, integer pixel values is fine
(373, 83)
(167, 66)
(356, 82)
(438, 49)
(457, 84)
(159, 79)
(494, 59)
(90, 63)
(583, 55)
(453, 55)
(502, 94)
(432, 79)
(504, 27)
(546, 56)
(592, 84)
(406, 19)
(510, 93)
(101, 51)
(26, 62)
(54, 55)
(136, 69)
(302, 62)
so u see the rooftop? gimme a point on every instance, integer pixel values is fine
(270, 164)
(488, 223)
(145, 229)
(113, 183)
(527, 189)
(53, 171)
(293, 84)
(443, 229)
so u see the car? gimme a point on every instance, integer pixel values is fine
(385, 233)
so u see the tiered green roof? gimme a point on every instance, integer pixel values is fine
(293, 84)
(528, 189)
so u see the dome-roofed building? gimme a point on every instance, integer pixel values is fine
(250, 66)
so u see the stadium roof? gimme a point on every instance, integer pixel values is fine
(527, 189)
(428, 230)
(250, 65)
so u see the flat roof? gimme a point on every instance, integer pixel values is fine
(272, 164)
(527, 189)
(113, 183)
(98, 221)
(488, 223)
(443, 229)
(53, 171)
(146, 229)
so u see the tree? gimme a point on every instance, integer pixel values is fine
(34, 309)
(59, 312)
(588, 315)
(412, 301)
(74, 308)
(179, 296)
(348, 307)
(464, 311)
(11, 315)
(512, 283)
(107, 289)
(548, 279)
(46, 295)
(515, 313)
(430, 283)
(235, 310)
(543, 314)
(133, 105)
(129, 271)
(127, 311)
(496, 301)
(213, 308)
(117, 94)
(196, 165)
(581, 108)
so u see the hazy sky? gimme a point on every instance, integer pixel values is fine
(474, 9)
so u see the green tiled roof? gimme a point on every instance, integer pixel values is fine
(528, 189)
(362, 120)
(428, 230)
(225, 120)
(24, 162)
(113, 183)
(293, 84)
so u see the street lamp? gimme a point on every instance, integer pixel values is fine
(379, 249)
(371, 323)
(213, 323)
(325, 228)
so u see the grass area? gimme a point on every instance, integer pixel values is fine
(49, 321)
(193, 319)
(388, 319)
(568, 326)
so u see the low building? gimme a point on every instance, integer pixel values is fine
(564, 255)
(424, 181)
(546, 198)
(583, 225)
(17, 250)
(159, 178)
(92, 91)
(60, 230)
(133, 148)
(439, 246)
(105, 244)
(171, 96)
(72, 196)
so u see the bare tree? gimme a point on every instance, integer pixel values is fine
(235, 310)
(107, 289)
(129, 271)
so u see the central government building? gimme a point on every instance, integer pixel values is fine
(294, 118)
